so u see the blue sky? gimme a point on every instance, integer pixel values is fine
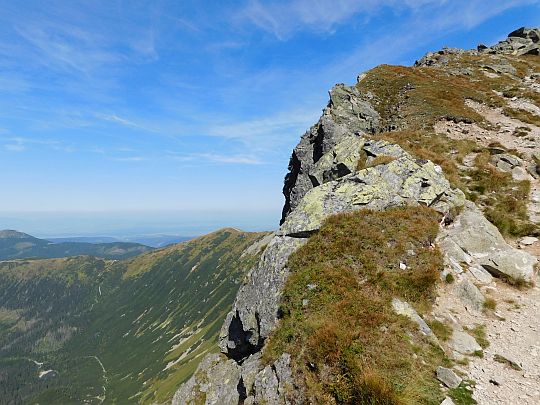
(149, 107)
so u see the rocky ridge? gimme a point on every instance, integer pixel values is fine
(339, 166)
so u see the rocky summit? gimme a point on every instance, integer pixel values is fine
(404, 270)
(448, 146)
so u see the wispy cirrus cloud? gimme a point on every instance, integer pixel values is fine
(20, 144)
(63, 46)
(133, 159)
(284, 18)
(219, 158)
(119, 120)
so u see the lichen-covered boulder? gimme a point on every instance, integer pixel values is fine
(339, 161)
(474, 240)
(347, 114)
(402, 181)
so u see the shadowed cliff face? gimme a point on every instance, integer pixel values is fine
(348, 111)
(378, 146)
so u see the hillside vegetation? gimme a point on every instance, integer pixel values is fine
(119, 332)
(412, 100)
(348, 344)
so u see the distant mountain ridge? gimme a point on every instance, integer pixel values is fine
(19, 245)
(155, 241)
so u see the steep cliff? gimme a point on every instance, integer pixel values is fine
(453, 143)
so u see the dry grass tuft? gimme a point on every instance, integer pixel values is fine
(348, 345)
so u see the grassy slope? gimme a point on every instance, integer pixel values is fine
(348, 344)
(412, 100)
(152, 310)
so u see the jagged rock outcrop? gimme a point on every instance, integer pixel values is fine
(401, 181)
(523, 41)
(338, 170)
(348, 113)
(338, 167)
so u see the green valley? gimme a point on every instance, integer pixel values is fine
(88, 330)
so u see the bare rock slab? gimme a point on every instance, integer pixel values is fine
(448, 377)
(476, 241)
(462, 343)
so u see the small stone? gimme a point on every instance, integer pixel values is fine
(305, 302)
(448, 377)
(528, 240)
(311, 286)
(470, 295)
(463, 343)
(402, 266)
(447, 401)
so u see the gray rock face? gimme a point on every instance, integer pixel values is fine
(470, 295)
(255, 310)
(506, 162)
(405, 309)
(448, 377)
(523, 41)
(274, 383)
(481, 275)
(214, 383)
(474, 240)
(348, 114)
(462, 343)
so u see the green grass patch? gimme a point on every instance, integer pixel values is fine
(442, 330)
(490, 304)
(503, 360)
(462, 395)
(479, 333)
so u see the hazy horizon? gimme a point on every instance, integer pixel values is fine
(136, 223)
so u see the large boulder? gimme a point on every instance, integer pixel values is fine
(399, 180)
(473, 240)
